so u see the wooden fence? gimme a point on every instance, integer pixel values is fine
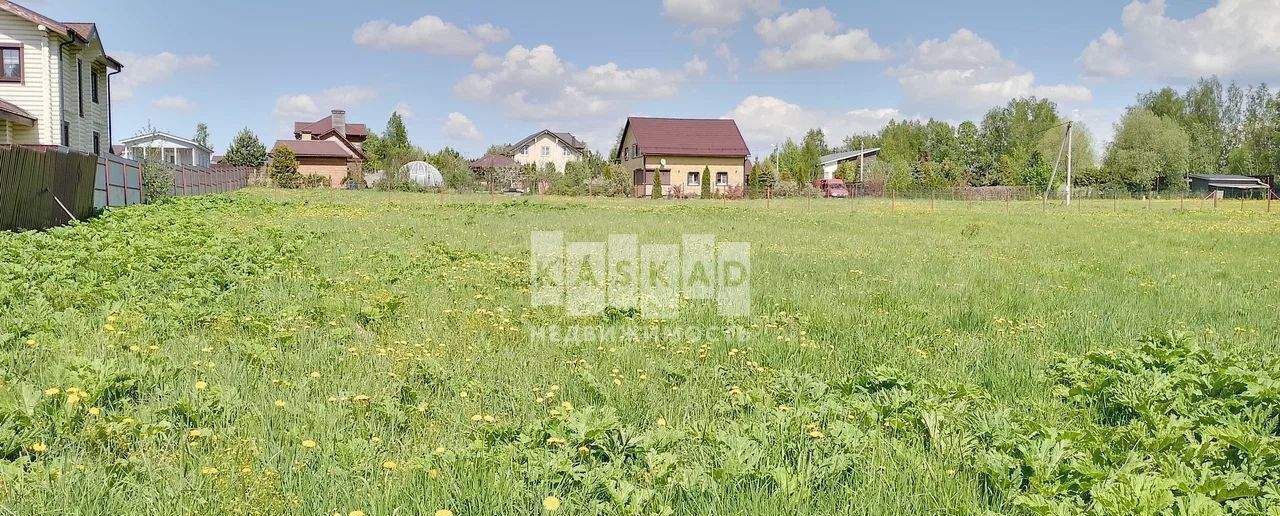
(47, 186)
(42, 188)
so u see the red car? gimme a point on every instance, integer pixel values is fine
(832, 188)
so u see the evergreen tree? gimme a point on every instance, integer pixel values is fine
(284, 168)
(246, 150)
(706, 182)
(396, 136)
(657, 185)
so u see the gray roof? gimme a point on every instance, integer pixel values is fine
(1231, 181)
(567, 138)
(847, 155)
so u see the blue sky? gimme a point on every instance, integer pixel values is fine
(468, 74)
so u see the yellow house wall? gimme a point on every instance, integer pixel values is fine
(557, 157)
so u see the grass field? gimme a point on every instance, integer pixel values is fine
(322, 352)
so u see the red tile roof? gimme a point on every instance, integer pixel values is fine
(494, 161)
(325, 125)
(316, 148)
(687, 137)
(15, 111)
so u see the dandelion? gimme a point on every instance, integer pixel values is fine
(52, 391)
(39, 447)
(209, 470)
(444, 512)
(308, 443)
(389, 465)
(439, 450)
(568, 407)
(279, 403)
(315, 374)
(551, 503)
(433, 473)
(95, 411)
(662, 421)
(201, 385)
(356, 513)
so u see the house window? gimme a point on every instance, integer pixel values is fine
(97, 143)
(694, 179)
(546, 150)
(66, 133)
(722, 179)
(568, 152)
(10, 64)
(80, 83)
(93, 85)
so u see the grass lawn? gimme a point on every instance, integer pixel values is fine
(323, 352)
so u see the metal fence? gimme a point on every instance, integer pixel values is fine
(189, 180)
(118, 182)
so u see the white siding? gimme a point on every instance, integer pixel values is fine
(36, 94)
(95, 114)
(557, 155)
(169, 149)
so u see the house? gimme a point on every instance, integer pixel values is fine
(546, 146)
(679, 150)
(328, 147)
(54, 82)
(162, 146)
(862, 159)
(1229, 186)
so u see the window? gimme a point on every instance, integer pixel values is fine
(546, 150)
(695, 179)
(97, 143)
(10, 64)
(66, 133)
(722, 179)
(80, 83)
(568, 152)
(93, 85)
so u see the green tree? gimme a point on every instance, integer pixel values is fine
(706, 182)
(656, 192)
(395, 136)
(284, 168)
(246, 150)
(1147, 150)
(202, 135)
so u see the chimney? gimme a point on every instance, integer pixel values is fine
(340, 122)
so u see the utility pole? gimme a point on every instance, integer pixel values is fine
(1069, 133)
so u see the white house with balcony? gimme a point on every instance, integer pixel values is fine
(546, 146)
(161, 146)
(54, 82)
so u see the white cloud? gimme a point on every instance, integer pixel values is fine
(809, 39)
(173, 103)
(142, 70)
(695, 67)
(766, 121)
(429, 34)
(1233, 38)
(965, 74)
(535, 84)
(404, 109)
(458, 127)
(731, 63)
(715, 13)
(308, 107)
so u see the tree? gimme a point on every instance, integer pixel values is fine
(971, 158)
(1148, 151)
(284, 168)
(202, 135)
(657, 185)
(706, 182)
(246, 150)
(395, 136)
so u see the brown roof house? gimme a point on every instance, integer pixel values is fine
(680, 150)
(328, 147)
(54, 82)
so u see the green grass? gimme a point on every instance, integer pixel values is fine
(384, 323)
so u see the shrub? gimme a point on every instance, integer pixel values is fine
(157, 181)
(284, 168)
(706, 183)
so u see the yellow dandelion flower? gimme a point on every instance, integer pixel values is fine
(444, 512)
(662, 421)
(477, 417)
(550, 503)
(433, 473)
(279, 403)
(95, 411)
(39, 447)
(315, 374)
(389, 465)
(208, 470)
(568, 407)
(52, 391)
(201, 385)
(356, 513)
(439, 450)
(308, 443)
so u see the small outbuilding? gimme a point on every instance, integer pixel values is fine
(1229, 186)
(862, 159)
